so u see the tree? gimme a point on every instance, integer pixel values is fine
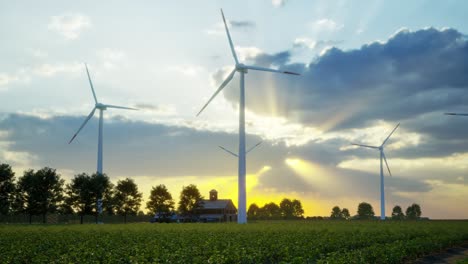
(253, 212)
(413, 211)
(190, 199)
(397, 213)
(286, 208)
(7, 189)
(127, 198)
(345, 213)
(365, 211)
(298, 211)
(336, 213)
(271, 211)
(160, 200)
(39, 193)
(83, 192)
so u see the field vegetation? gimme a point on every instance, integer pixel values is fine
(258, 242)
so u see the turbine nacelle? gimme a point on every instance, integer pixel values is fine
(100, 106)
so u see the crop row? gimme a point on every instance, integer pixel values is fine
(262, 242)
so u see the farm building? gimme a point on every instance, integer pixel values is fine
(217, 210)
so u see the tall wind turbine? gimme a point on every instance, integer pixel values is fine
(101, 107)
(236, 155)
(242, 69)
(382, 157)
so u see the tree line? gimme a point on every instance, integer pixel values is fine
(44, 192)
(287, 209)
(365, 211)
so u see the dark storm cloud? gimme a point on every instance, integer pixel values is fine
(411, 74)
(140, 148)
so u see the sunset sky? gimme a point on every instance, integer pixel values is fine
(365, 66)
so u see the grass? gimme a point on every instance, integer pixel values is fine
(260, 242)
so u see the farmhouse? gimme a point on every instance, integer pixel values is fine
(217, 210)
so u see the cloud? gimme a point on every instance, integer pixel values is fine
(242, 24)
(5, 79)
(279, 3)
(69, 26)
(326, 24)
(49, 70)
(303, 42)
(408, 76)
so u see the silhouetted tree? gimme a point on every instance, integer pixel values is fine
(286, 208)
(345, 213)
(271, 211)
(253, 212)
(190, 199)
(335, 213)
(160, 200)
(365, 211)
(298, 211)
(397, 213)
(413, 211)
(83, 192)
(39, 193)
(127, 198)
(7, 189)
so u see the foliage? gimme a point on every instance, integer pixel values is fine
(190, 199)
(7, 189)
(335, 213)
(413, 211)
(261, 242)
(397, 213)
(83, 192)
(160, 200)
(253, 211)
(127, 198)
(345, 213)
(365, 211)
(40, 192)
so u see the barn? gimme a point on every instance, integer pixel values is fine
(217, 210)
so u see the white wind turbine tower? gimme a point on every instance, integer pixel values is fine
(242, 69)
(101, 107)
(382, 157)
(247, 152)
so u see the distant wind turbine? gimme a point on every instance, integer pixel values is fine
(247, 152)
(382, 157)
(101, 108)
(242, 69)
(456, 114)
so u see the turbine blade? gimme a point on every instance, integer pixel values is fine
(120, 107)
(84, 123)
(386, 163)
(228, 79)
(366, 146)
(269, 70)
(228, 151)
(229, 38)
(91, 84)
(252, 148)
(385, 141)
(456, 114)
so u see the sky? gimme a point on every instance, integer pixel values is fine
(365, 67)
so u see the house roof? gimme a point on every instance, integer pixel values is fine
(218, 204)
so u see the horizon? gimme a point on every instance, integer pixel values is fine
(364, 68)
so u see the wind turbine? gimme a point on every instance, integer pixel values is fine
(242, 69)
(247, 152)
(456, 114)
(101, 107)
(382, 156)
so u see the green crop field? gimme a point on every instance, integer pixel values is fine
(261, 242)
